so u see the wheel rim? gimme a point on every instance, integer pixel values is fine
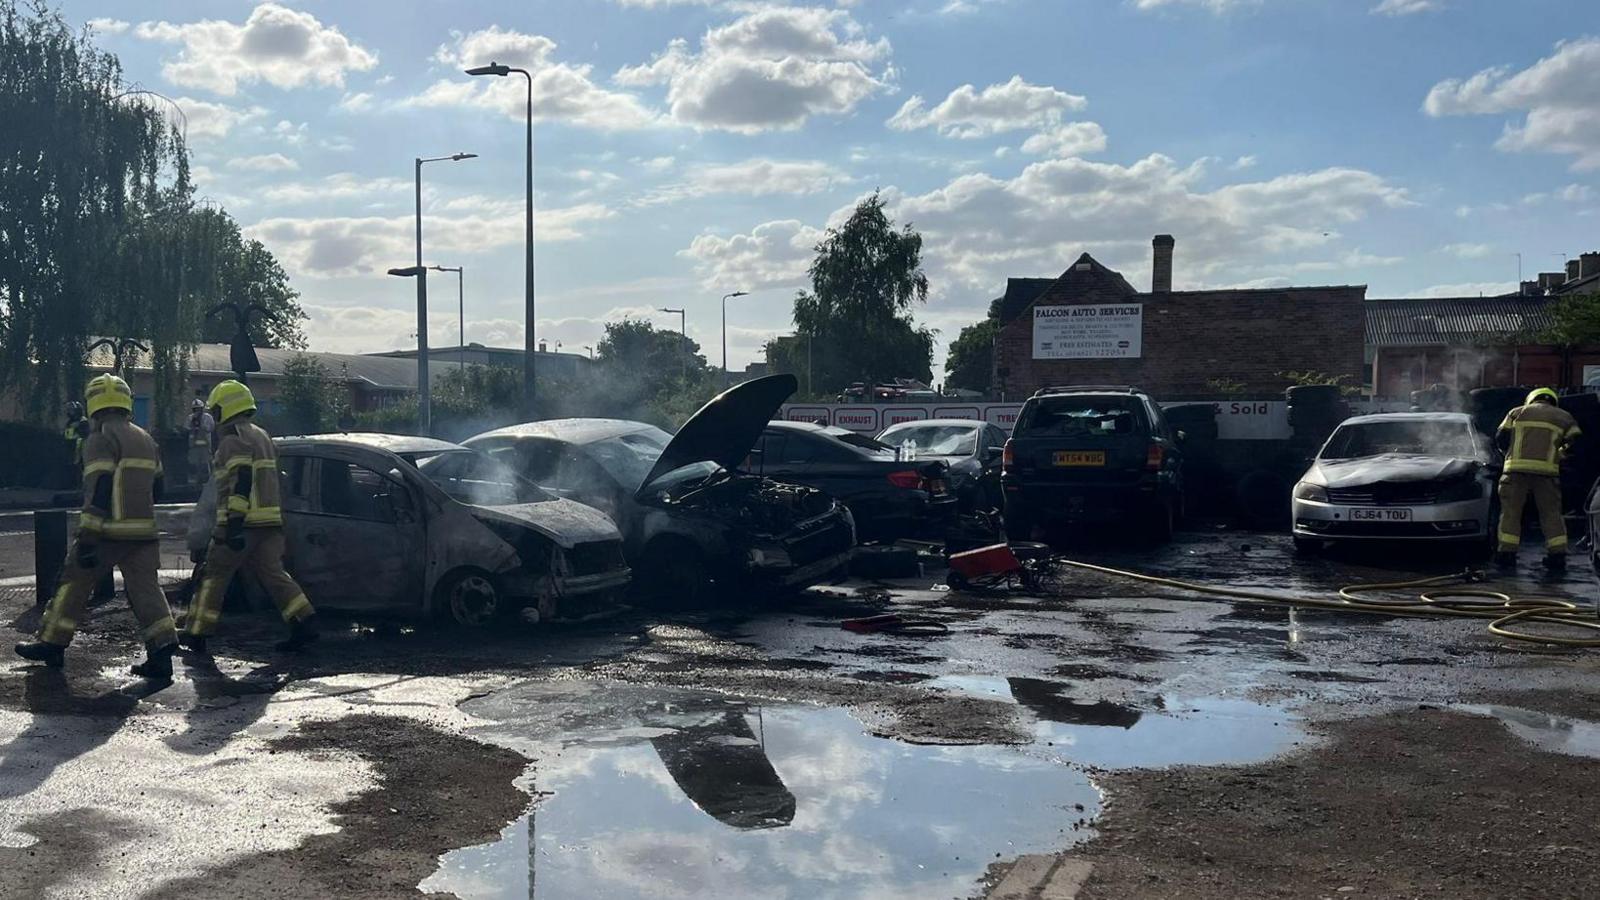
(473, 600)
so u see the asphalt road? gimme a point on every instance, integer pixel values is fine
(1146, 742)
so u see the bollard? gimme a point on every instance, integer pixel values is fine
(49, 551)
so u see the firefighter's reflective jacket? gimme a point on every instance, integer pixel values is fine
(246, 471)
(121, 465)
(1539, 432)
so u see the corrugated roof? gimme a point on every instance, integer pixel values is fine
(1454, 321)
(377, 372)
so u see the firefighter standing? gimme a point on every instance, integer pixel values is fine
(201, 426)
(1534, 437)
(249, 524)
(121, 481)
(76, 432)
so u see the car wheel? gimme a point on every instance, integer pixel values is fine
(676, 574)
(470, 598)
(1307, 546)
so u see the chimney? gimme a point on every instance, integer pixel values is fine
(1572, 269)
(1588, 264)
(1529, 289)
(1161, 271)
(1551, 280)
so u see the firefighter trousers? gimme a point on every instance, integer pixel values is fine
(262, 557)
(139, 561)
(1515, 489)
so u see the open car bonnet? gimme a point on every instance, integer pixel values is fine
(725, 429)
(566, 522)
(1393, 467)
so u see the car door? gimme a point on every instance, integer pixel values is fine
(360, 540)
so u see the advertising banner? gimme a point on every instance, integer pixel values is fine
(1104, 331)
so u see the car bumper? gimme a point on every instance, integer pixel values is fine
(1462, 521)
(1084, 502)
(582, 585)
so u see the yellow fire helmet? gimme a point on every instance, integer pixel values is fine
(1541, 394)
(231, 399)
(107, 392)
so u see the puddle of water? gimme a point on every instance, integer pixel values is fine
(1556, 734)
(734, 802)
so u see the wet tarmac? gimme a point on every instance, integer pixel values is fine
(744, 751)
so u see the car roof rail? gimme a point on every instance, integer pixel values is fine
(1087, 389)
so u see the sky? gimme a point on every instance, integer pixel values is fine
(685, 149)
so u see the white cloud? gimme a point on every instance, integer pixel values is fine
(971, 113)
(1216, 6)
(1468, 251)
(979, 229)
(109, 26)
(1242, 163)
(1558, 95)
(368, 245)
(342, 186)
(360, 101)
(560, 90)
(214, 120)
(266, 162)
(1406, 7)
(1466, 289)
(1071, 139)
(771, 69)
(752, 178)
(283, 47)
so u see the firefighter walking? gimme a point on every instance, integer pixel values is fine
(248, 533)
(1534, 437)
(121, 482)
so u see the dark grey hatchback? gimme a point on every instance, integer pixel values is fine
(1092, 454)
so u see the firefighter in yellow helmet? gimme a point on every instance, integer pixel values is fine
(1534, 437)
(121, 484)
(249, 525)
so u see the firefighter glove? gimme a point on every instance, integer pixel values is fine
(234, 535)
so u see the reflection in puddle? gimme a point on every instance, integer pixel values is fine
(1555, 734)
(787, 802)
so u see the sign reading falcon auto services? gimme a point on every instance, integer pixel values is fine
(1107, 331)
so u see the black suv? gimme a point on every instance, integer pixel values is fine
(1092, 454)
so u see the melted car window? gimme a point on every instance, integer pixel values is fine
(476, 479)
(935, 440)
(630, 457)
(1452, 439)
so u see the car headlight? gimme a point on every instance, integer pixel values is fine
(1316, 493)
(1462, 491)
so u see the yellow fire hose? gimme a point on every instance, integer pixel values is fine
(1476, 603)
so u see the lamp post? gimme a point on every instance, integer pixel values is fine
(500, 71)
(725, 332)
(461, 313)
(683, 333)
(424, 389)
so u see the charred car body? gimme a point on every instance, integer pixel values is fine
(1399, 476)
(971, 449)
(390, 523)
(689, 518)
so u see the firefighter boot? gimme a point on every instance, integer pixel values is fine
(301, 632)
(1506, 559)
(50, 654)
(193, 643)
(157, 665)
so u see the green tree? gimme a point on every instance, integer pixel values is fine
(310, 400)
(865, 281)
(970, 364)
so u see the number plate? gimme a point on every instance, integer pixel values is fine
(1080, 458)
(1380, 515)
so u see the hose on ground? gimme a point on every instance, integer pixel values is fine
(1444, 597)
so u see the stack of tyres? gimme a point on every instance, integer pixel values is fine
(1204, 483)
(1490, 405)
(1315, 410)
(1436, 398)
(1581, 467)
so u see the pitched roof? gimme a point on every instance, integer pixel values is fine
(377, 372)
(1087, 271)
(1454, 321)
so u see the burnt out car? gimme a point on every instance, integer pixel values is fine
(391, 523)
(690, 519)
(1399, 477)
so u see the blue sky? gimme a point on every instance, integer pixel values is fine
(688, 148)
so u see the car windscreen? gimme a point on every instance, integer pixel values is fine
(477, 479)
(1080, 416)
(935, 440)
(858, 440)
(629, 457)
(1424, 438)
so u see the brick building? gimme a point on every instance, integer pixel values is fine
(1090, 326)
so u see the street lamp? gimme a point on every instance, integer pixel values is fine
(424, 389)
(500, 71)
(725, 332)
(683, 332)
(461, 312)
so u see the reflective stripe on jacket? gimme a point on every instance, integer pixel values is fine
(245, 445)
(1539, 434)
(128, 455)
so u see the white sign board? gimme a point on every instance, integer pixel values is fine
(1101, 331)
